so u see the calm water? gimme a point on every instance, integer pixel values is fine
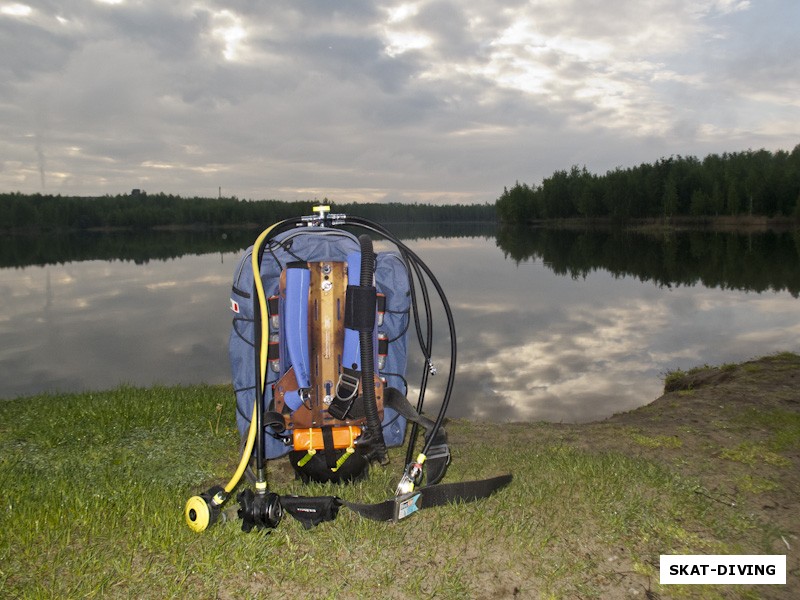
(556, 326)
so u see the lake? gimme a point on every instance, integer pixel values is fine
(553, 325)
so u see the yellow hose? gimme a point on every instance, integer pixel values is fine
(251, 434)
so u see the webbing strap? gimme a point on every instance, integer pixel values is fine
(438, 457)
(360, 308)
(397, 508)
(330, 452)
(351, 352)
(394, 399)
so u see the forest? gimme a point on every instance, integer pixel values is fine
(139, 210)
(755, 183)
(758, 182)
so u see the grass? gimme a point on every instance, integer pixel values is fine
(94, 487)
(783, 425)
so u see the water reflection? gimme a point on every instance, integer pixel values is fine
(95, 324)
(744, 261)
(545, 332)
(144, 246)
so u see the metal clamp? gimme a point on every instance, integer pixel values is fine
(322, 217)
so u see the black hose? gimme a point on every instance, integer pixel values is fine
(377, 442)
(259, 399)
(426, 345)
(372, 226)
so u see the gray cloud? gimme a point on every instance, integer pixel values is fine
(427, 101)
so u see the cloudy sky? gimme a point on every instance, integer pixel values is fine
(431, 101)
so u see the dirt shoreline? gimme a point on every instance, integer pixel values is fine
(736, 429)
(729, 434)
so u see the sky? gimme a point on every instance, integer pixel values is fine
(430, 101)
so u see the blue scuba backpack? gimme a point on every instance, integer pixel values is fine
(318, 354)
(313, 358)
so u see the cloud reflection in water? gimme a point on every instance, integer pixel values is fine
(533, 345)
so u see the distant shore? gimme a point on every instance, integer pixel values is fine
(740, 223)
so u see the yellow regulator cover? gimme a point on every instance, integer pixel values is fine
(197, 513)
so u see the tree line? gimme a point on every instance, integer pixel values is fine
(139, 210)
(758, 182)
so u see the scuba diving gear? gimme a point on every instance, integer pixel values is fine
(323, 265)
(316, 380)
(311, 510)
(259, 511)
(203, 510)
(405, 504)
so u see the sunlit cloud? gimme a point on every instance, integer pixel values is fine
(156, 165)
(399, 35)
(402, 12)
(161, 285)
(15, 10)
(229, 30)
(202, 168)
(411, 101)
(730, 6)
(399, 42)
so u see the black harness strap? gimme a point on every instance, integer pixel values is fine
(330, 451)
(394, 399)
(438, 457)
(313, 510)
(429, 496)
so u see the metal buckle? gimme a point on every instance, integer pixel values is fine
(349, 380)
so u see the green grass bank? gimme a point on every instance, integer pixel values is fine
(94, 487)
